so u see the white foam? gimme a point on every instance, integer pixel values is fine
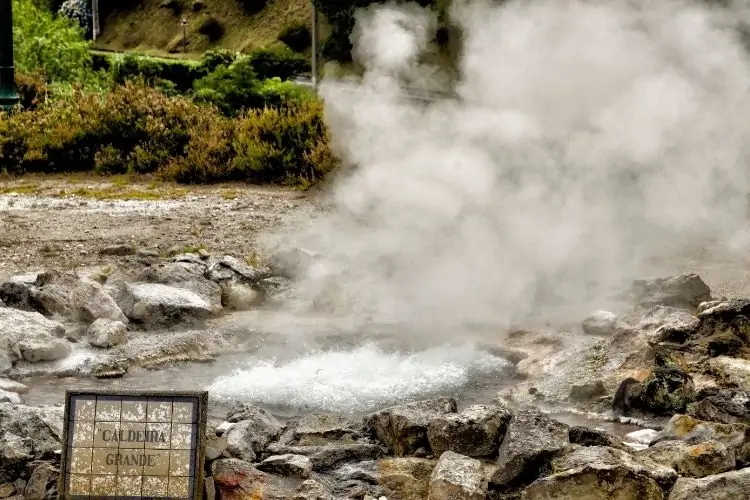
(359, 380)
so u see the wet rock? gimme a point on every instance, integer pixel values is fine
(239, 297)
(287, 465)
(35, 350)
(593, 482)
(42, 479)
(41, 424)
(685, 291)
(667, 390)
(185, 276)
(403, 428)
(9, 397)
(599, 323)
(457, 477)
(692, 431)
(13, 386)
(75, 297)
(7, 490)
(698, 460)
(587, 391)
(328, 456)
(154, 305)
(407, 477)
(723, 405)
(249, 437)
(15, 449)
(668, 324)
(609, 458)
(586, 436)
(643, 436)
(531, 442)
(16, 294)
(312, 490)
(733, 372)
(239, 480)
(476, 431)
(231, 270)
(318, 429)
(733, 484)
(726, 343)
(107, 333)
(32, 329)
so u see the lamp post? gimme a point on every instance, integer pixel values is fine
(8, 96)
(315, 50)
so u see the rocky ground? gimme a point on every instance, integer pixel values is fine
(677, 361)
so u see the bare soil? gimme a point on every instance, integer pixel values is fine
(64, 222)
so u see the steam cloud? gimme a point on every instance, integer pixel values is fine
(588, 137)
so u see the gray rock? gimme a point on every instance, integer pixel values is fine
(320, 428)
(42, 424)
(9, 397)
(70, 295)
(237, 479)
(727, 318)
(37, 349)
(586, 436)
(230, 269)
(692, 431)
(667, 390)
(154, 305)
(588, 391)
(724, 405)
(668, 324)
(609, 458)
(407, 477)
(403, 428)
(16, 294)
(15, 449)
(186, 276)
(287, 465)
(249, 437)
(13, 386)
(685, 291)
(239, 297)
(117, 250)
(476, 432)
(31, 328)
(328, 456)
(531, 442)
(729, 485)
(42, 478)
(599, 323)
(107, 333)
(457, 477)
(312, 490)
(697, 460)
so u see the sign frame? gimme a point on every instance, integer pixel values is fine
(201, 399)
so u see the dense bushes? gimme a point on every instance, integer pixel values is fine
(182, 74)
(135, 128)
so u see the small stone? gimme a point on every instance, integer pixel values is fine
(203, 254)
(6, 490)
(457, 477)
(106, 333)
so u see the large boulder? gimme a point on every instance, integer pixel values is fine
(725, 327)
(735, 437)
(685, 291)
(403, 428)
(186, 276)
(476, 432)
(668, 324)
(238, 480)
(249, 437)
(30, 336)
(531, 442)
(319, 429)
(28, 432)
(327, 456)
(72, 296)
(157, 305)
(666, 390)
(696, 460)
(457, 477)
(407, 477)
(733, 484)
(287, 465)
(726, 406)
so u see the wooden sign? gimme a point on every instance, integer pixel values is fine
(131, 445)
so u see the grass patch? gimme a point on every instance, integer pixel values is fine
(25, 188)
(125, 192)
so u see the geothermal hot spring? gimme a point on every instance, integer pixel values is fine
(590, 143)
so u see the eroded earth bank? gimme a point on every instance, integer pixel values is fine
(649, 401)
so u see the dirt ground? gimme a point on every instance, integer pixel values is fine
(64, 222)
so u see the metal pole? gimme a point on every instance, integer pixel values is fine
(315, 51)
(95, 17)
(8, 96)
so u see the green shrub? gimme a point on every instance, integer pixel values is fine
(275, 92)
(31, 88)
(48, 45)
(296, 36)
(124, 67)
(281, 62)
(230, 88)
(212, 29)
(214, 58)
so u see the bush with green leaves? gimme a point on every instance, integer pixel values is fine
(230, 88)
(51, 46)
(129, 66)
(214, 58)
(281, 62)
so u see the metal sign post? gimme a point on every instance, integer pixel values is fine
(95, 18)
(315, 49)
(133, 444)
(184, 23)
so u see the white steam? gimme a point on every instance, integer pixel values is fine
(588, 136)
